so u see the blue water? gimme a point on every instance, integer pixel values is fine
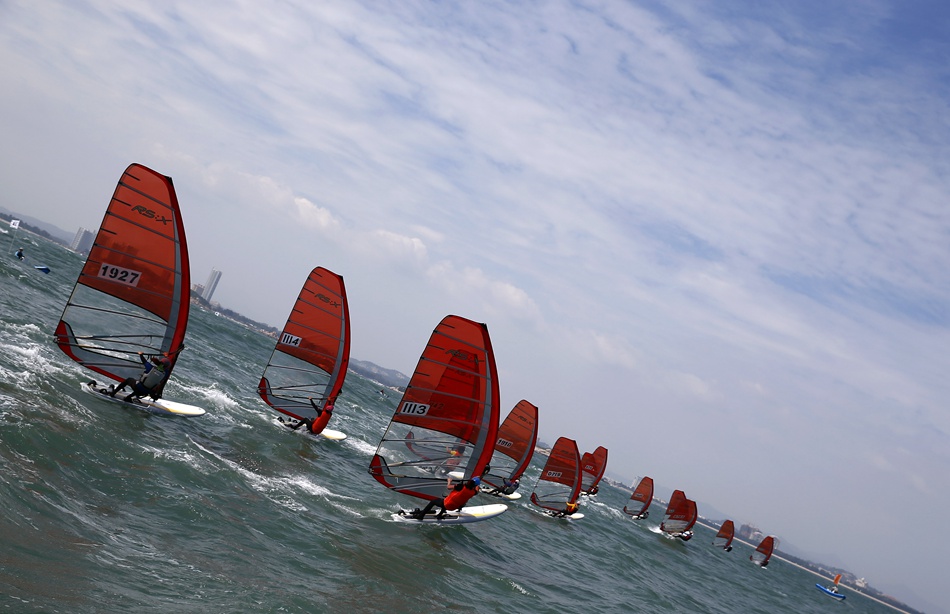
(107, 509)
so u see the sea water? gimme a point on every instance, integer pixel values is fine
(109, 509)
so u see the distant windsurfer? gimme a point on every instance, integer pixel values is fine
(455, 456)
(594, 490)
(507, 488)
(19, 254)
(461, 492)
(150, 382)
(833, 589)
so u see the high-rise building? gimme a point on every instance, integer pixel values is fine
(211, 284)
(82, 242)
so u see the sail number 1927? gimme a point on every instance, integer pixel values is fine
(414, 409)
(123, 276)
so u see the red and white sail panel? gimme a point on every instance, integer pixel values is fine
(681, 514)
(725, 535)
(447, 420)
(593, 466)
(312, 352)
(641, 498)
(763, 552)
(133, 293)
(517, 438)
(560, 480)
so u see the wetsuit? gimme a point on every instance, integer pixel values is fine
(455, 500)
(147, 383)
(319, 423)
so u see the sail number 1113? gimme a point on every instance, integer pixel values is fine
(123, 276)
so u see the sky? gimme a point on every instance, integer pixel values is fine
(711, 237)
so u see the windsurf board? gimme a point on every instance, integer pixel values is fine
(161, 406)
(463, 516)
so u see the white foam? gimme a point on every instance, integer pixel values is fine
(218, 397)
(361, 446)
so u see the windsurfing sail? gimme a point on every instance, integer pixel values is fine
(680, 514)
(640, 499)
(517, 437)
(837, 579)
(763, 552)
(725, 535)
(593, 466)
(447, 420)
(312, 352)
(560, 480)
(132, 294)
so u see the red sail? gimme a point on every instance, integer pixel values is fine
(133, 292)
(447, 420)
(517, 437)
(691, 514)
(680, 514)
(641, 498)
(559, 483)
(593, 466)
(763, 552)
(725, 535)
(312, 352)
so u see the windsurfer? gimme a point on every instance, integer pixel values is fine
(19, 254)
(685, 535)
(462, 491)
(324, 414)
(508, 487)
(157, 370)
(594, 490)
(569, 510)
(834, 589)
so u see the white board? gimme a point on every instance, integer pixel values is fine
(465, 515)
(487, 490)
(334, 435)
(161, 406)
(574, 516)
